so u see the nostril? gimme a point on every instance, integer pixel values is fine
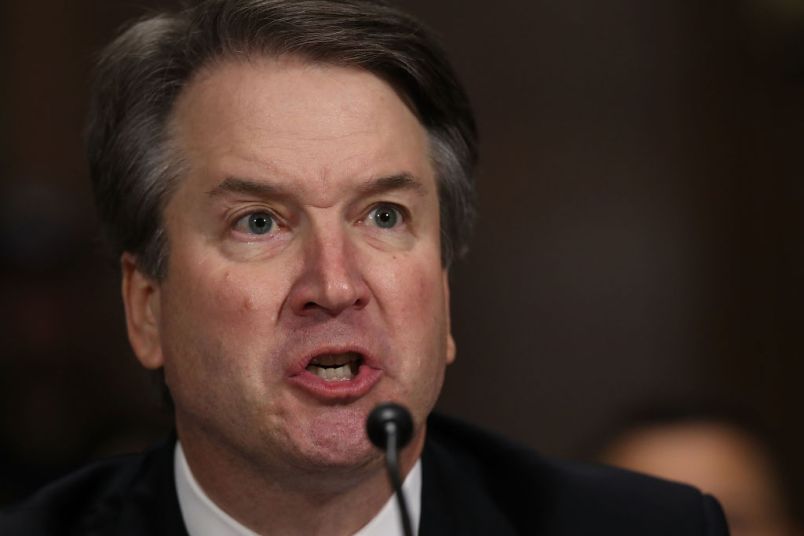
(310, 305)
(319, 291)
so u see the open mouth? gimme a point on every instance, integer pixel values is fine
(336, 367)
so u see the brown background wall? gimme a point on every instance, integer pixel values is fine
(640, 236)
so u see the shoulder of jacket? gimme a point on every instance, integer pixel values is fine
(564, 497)
(88, 497)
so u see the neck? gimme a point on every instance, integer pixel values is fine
(282, 500)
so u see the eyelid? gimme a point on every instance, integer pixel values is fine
(401, 208)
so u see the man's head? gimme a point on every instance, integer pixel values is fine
(133, 165)
(287, 182)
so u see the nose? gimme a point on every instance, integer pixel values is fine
(331, 279)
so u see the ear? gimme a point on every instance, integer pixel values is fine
(451, 349)
(141, 302)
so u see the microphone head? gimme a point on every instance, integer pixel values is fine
(385, 415)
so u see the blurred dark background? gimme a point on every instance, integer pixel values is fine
(640, 238)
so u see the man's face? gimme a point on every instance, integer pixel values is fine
(305, 282)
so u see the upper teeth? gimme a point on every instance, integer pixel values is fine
(335, 366)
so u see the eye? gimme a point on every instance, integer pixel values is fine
(385, 216)
(257, 223)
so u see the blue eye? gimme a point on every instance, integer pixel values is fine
(385, 216)
(258, 223)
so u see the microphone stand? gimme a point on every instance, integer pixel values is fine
(390, 427)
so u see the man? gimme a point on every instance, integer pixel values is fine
(286, 183)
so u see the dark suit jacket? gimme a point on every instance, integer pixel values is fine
(473, 484)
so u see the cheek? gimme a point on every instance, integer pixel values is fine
(228, 294)
(421, 334)
(214, 314)
(217, 328)
(413, 298)
(244, 299)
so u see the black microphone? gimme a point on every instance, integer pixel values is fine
(390, 428)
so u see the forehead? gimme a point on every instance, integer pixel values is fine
(289, 116)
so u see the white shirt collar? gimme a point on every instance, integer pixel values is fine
(202, 517)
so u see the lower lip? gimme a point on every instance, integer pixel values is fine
(337, 390)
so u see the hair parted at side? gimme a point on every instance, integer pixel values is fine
(133, 165)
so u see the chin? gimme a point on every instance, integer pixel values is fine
(335, 440)
(340, 461)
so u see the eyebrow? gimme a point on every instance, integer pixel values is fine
(401, 181)
(236, 185)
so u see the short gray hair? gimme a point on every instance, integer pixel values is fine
(141, 73)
